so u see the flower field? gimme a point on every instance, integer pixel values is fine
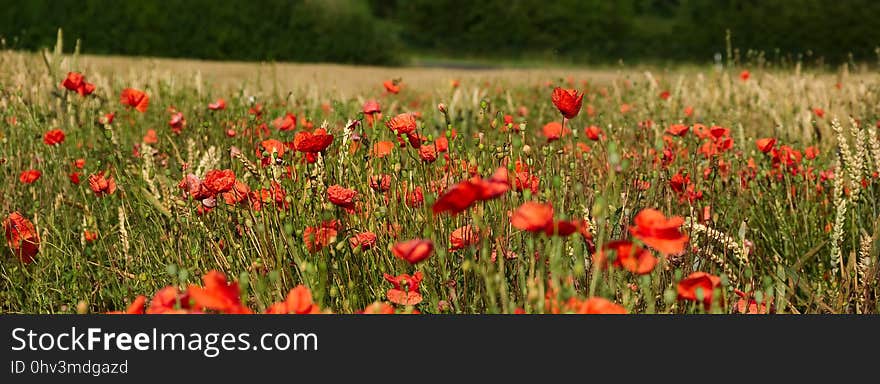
(746, 189)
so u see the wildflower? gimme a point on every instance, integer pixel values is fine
(312, 142)
(382, 149)
(658, 232)
(21, 237)
(744, 75)
(463, 237)
(464, 194)
(364, 240)
(316, 238)
(413, 251)
(428, 153)
(217, 294)
(567, 101)
(402, 124)
(594, 133)
(177, 122)
(343, 197)
(391, 86)
(533, 217)
(135, 98)
(75, 81)
(765, 145)
(218, 105)
(101, 185)
(677, 129)
(298, 302)
(596, 306)
(405, 289)
(53, 137)
(380, 183)
(629, 256)
(285, 123)
(219, 181)
(151, 137)
(29, 176)
(698, 281)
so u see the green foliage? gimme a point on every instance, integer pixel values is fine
(310, 31)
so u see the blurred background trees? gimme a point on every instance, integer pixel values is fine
(390, 31)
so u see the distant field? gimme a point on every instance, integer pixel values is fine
(333, 78)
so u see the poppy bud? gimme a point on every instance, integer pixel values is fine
(441, 107)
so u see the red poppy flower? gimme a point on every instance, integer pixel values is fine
(413, 251)
(364, 240)
(664, 95)
(819, 112)
(21, 237)
(237, 194)
(285, 123)
(687, 287)
(415, 197)
(380, 183)
(218, 105)
(169, 300)
(151, 137)
(382, 149)
(765, 145)
(89, 236)
(597, 306)
(533, 217)
(748, 305)
(107, 118)
(316, 238)
(135, 98)
(135, 308)
(53, 137)
(217, 294)
(371, 107)
(405, 290)
(677, 129)
(402, 124)
(428, 153)
(811, 152)
(658, 232)
(629, 256)
(298, 302)
(594, 133)
(744, 75)
(177, 122)
(74, 177)
(79, 163)
(312, 142)
(75, 81)
(378, 308)
(442, 144)
(101, 185)
(463, 237)
(270, 146)
(464, 194)
(343, 197)
(553, 130)
(391, 86)
(524, 178)
(219, 181)
(567, 101)
(29, 176)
